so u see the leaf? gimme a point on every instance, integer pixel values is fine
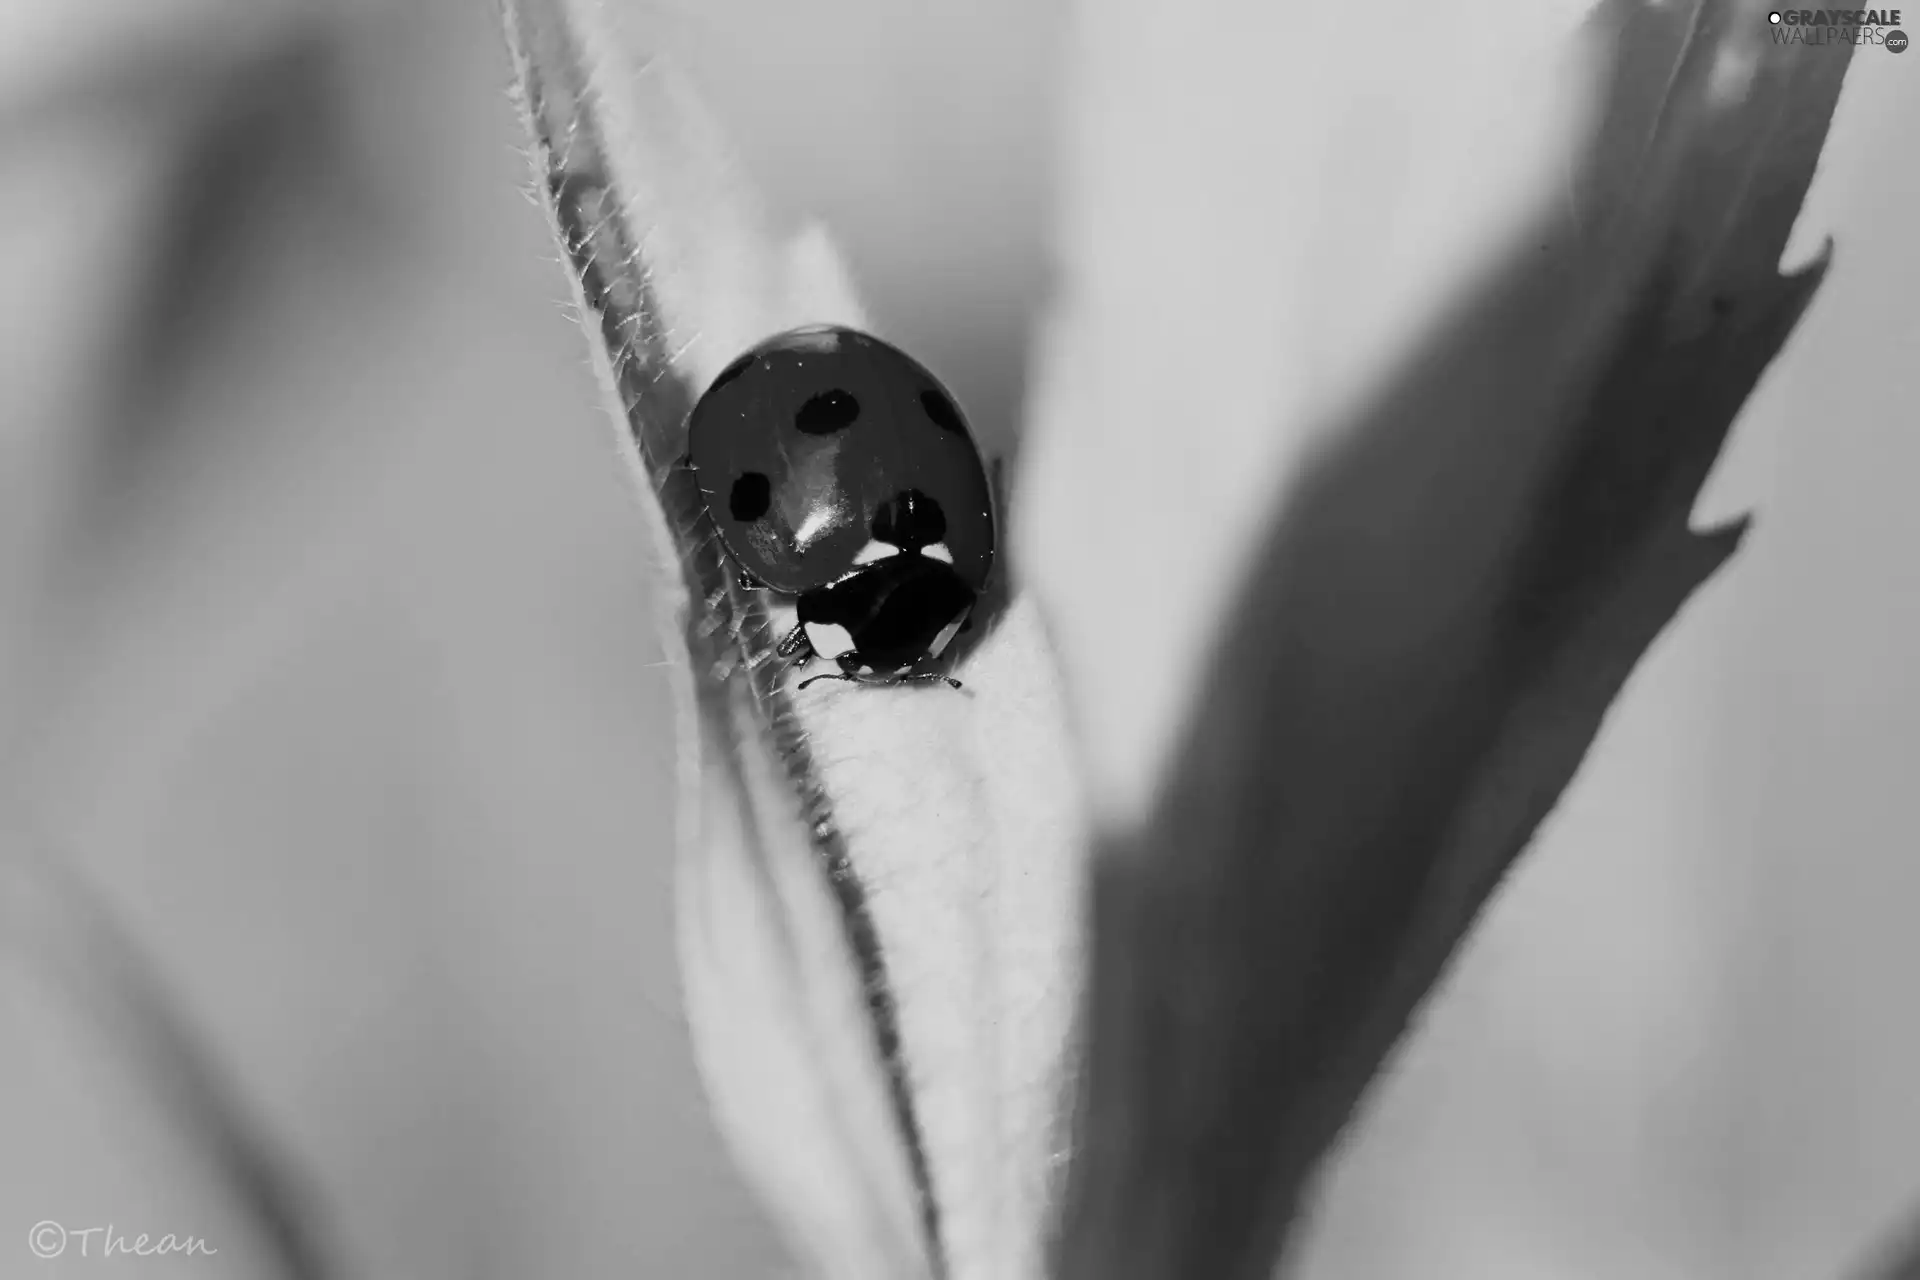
(1439, 616)
(1244, 252)
(876, 886)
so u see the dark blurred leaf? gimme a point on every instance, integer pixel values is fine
(1439, 620)
(1897, 1259)
(263, 142)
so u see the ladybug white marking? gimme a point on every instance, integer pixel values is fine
(945, 638)
(828, 640)
(878, 550)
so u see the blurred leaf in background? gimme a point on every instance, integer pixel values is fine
(330, 660)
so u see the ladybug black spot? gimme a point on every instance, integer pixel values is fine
(909, 520)
(826, 413)
(941, 410)
(750, 497)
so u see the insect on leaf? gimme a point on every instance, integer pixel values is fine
(869, 878)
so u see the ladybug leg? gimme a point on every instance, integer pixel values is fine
(852, 670)
(850, 664)
(853, 679)
(796, 643)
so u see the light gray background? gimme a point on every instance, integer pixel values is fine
(330, 657)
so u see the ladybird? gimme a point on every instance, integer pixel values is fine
(838, 470)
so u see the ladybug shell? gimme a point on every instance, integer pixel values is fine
(818, 441)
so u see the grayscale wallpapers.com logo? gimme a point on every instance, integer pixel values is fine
(1839, 26)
